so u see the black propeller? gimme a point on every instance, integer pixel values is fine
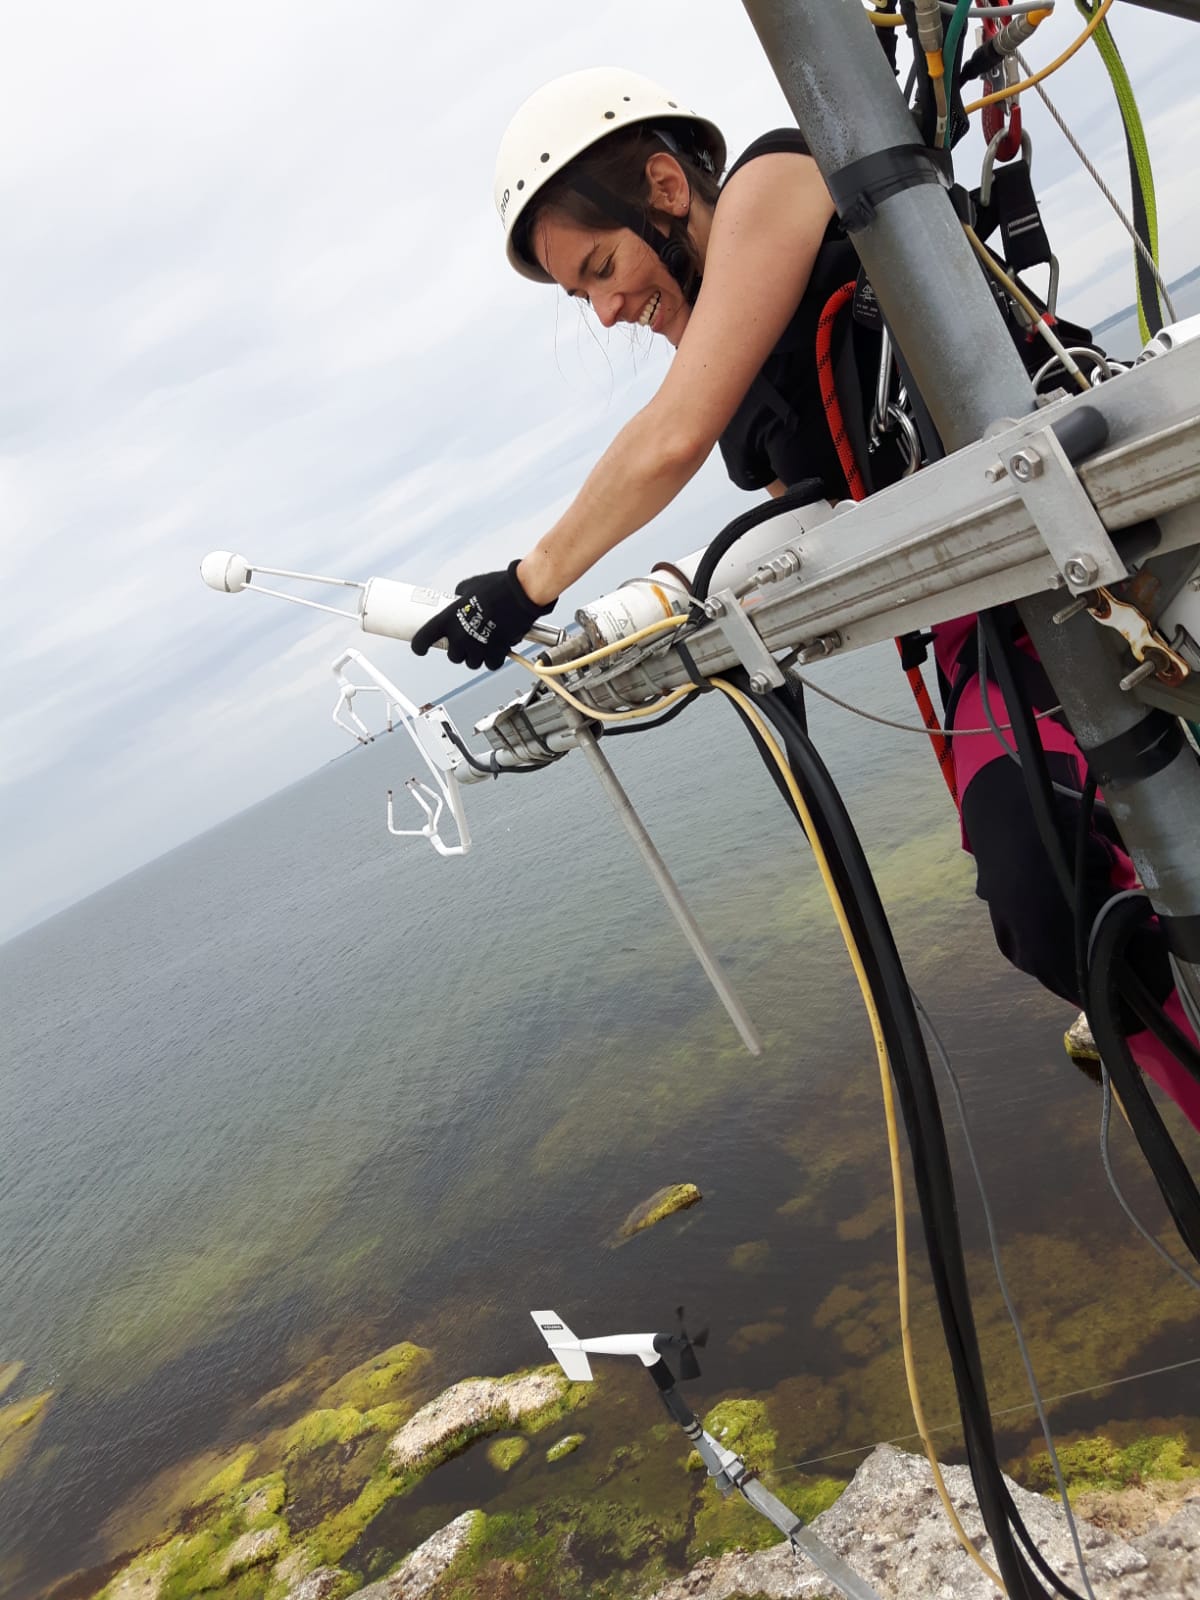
(689, 1366)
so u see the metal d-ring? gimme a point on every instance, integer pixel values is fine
(989, 161)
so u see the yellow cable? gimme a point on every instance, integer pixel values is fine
(602, 716)
(1028, 83)
(885, 19)
(767, 735)
(664, 625)
(1027, 306)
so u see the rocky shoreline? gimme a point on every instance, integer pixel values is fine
(259, 1535)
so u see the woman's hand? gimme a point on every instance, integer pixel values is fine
(492, 614)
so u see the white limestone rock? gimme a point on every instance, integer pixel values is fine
(418, 1574)
(891, 1528)
(473, 1405)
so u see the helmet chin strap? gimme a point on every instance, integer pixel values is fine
(669, 248)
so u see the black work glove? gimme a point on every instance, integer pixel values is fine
(481, 627)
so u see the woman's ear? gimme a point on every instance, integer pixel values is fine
(667, 185)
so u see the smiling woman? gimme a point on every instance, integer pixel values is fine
(607, 186)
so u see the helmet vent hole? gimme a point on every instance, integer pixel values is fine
(673, 105)
(609, 115)
(520, 183)
(545, 155)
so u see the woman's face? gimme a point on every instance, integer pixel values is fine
(615, 271)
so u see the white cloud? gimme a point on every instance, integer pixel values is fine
(255, 299)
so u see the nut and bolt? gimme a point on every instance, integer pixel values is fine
(1026, 464)
(1138, 675)
(1080, 571)
(759, 683)
(714, 607)
(995, 472)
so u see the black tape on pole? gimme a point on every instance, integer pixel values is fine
(861, 187)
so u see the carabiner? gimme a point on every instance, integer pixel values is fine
(994, 153)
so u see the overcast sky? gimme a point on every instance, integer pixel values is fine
(254, 298)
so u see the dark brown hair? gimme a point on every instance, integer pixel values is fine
(618, 164)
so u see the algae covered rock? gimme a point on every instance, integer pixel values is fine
(505, 1453)
(564, 1447)
(420, 1573)
(322, 1584)
(250, 1549)
(473, 1407)
(377, 1379)
(663, 1203)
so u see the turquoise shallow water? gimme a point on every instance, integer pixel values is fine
(300, 1088)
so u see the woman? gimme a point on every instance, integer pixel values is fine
(609, 188)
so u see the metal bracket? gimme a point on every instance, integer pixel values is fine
(744, 640)
(1043, 476)
(1156, 656)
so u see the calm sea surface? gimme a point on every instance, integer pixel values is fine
(299, 1088)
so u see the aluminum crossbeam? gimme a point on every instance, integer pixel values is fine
(950, 540)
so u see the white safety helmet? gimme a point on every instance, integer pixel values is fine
(560, 120)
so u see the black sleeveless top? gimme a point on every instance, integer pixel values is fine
(780, 430)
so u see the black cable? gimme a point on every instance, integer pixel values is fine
(492, 768)
(646, 724)
(1113, 926)
(1036, 776)
(1083, 830)
(1105, 975)
(926, 1133)
(1152, 1016)
(800, 494)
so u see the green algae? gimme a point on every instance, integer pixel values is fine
(380, 1378)
(743, 1426)
(338, 1532)
(752, 1256)
(733, 1524)
(1098, 1461)
(505, 1453)
(752, 1334)
(1069, 1332)
(564, 1447)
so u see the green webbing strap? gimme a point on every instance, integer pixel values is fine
(1141, 178)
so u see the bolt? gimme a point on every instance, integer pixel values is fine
(1080, 571)
(1072, 610)
(714, 607)
(1026, 464)
(759, 683)
(1138, 675)
(995, 472)
(1194, 583)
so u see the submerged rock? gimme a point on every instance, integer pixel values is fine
(663, 1203)
(505, 1453)
(891, 1527)
(19, 1424)
(468, 1409)
(564, 1447)
(418, 1574)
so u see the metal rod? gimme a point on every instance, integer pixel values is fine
(669, 889)
(821, 1555)
(945, 321)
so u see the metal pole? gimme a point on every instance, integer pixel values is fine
(669, 889)
(942, 315)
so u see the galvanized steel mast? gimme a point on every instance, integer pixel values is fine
(945, 321)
